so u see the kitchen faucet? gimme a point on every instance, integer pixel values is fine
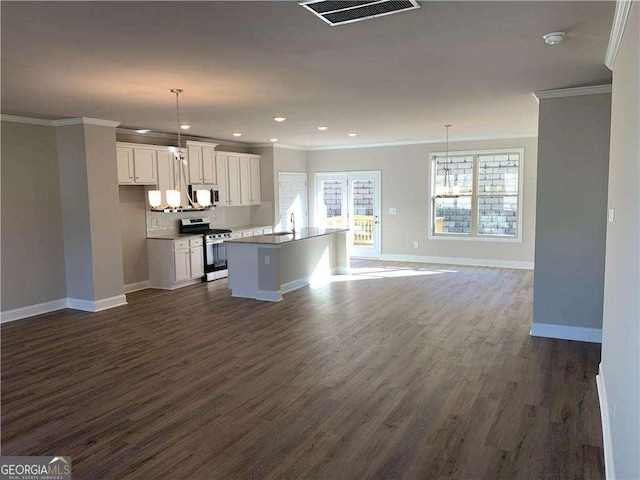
(293, 223)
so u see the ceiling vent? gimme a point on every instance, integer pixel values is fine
(339, 12)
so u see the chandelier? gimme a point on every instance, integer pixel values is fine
(175, 195)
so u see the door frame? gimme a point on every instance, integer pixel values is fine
(347, 201)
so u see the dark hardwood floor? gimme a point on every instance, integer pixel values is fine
(409, 371)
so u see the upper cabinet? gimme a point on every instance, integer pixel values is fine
(242, 186)
(202, 163)
(138, 164)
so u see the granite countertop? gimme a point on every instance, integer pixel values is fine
(271, 239)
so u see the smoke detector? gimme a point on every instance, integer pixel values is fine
(553, 38)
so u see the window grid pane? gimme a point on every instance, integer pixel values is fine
(498, 215)
(498, 174)
(453, 215)
(454, 175)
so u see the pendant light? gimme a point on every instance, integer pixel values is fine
(175, 195)
(449, 191)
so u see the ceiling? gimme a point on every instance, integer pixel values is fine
(398, 78)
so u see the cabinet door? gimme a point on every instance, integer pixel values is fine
(165, 172)
(195, 164)
(245, 181)
(234, 180)
(255, 180)
(182, 264)
(144, 166)
(124, 158)
(209, 166)
(222, 164)
(197, 262)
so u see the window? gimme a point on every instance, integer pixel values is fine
(476, 195)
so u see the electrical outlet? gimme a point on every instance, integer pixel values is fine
(392, 211)
(415, 244)
(267, 259)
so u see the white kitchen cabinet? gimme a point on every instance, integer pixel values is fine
(245, 180)
(250, 180)
(175, 263)
(222, 173)
(267, 230)
(165, 172)
(144, 166)
(209, 174)
(233, 185)
(137, 164)
(202, 163)
(196, 257)
(124, 158)
(195, 164)
(256, 197)
(182, 264)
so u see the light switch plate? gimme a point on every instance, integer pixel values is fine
(612, 215)
(392, 211)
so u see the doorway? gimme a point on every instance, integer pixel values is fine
(351, 200)
(292, 199)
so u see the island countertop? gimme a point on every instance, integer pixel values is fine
(278, 239)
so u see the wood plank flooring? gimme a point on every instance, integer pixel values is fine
(402, 371)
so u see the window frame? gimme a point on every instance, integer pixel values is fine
(473, 236)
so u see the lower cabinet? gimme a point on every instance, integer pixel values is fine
(175, 263)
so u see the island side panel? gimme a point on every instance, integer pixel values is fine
(269, 275)
(343, 263)
(242, 259)
(307, 260)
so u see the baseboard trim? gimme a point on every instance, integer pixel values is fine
(566, 332)
(135, 287)
(98, 305)
(471, 262)
(269, 295)
(31, 310)
(295, 284)
(609, 468)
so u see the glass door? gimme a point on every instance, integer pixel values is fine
(351, 200)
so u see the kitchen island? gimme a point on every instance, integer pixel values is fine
(265, 267)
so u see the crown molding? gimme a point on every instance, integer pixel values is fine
(27, 120)
(59, 123)
(623, 7)
(85, 121)
(423, 142)
(174, 137)
(572, 92)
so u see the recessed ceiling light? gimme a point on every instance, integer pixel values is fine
(553, 38)
(322, 127)
(279, 119)
(143, 130)
(352, 134)
(237, 134)
(274, 140)
(184, 126)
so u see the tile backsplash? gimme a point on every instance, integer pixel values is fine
(221, 217)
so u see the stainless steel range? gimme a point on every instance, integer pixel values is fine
(215, 251)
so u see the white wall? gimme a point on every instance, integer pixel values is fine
(405, 186)
(621, 324)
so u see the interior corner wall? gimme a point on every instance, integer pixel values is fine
(405, 187)
(620, 366)
(571, 212)
(32, 245)
(104, 212)
(76, 220)
(134, 233)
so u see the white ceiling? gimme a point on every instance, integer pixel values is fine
(391, 79)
